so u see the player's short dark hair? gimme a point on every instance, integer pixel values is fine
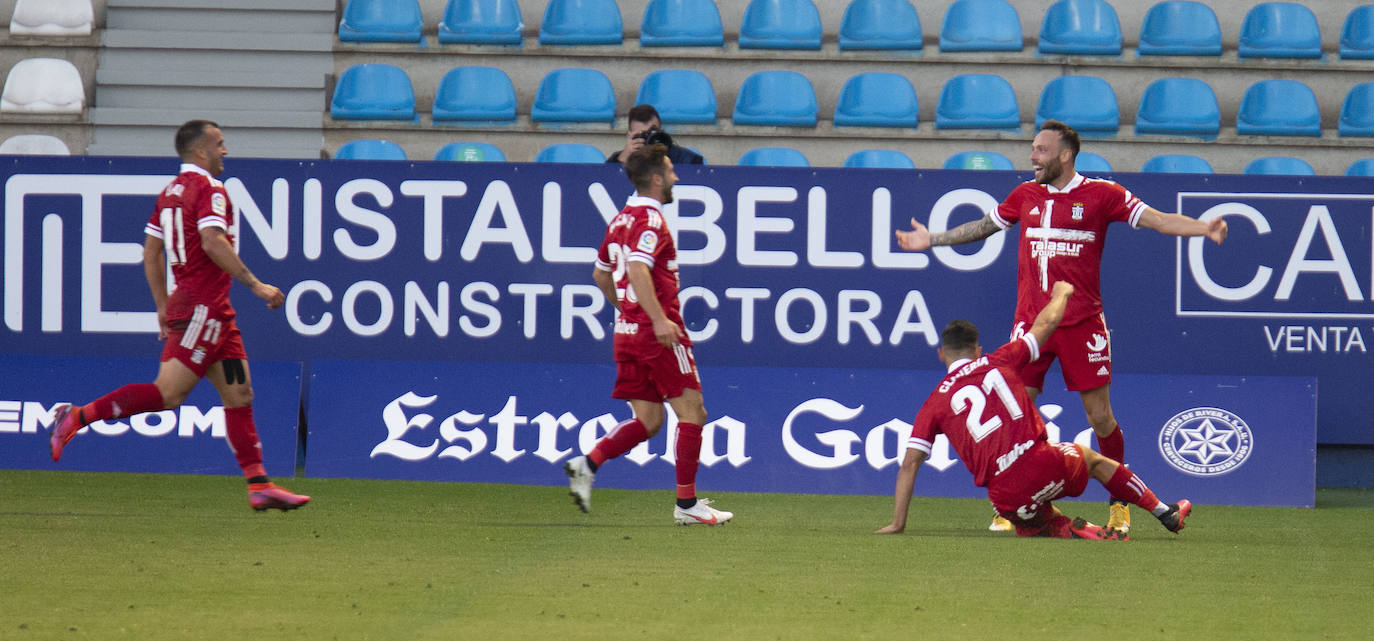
(643, 113)
(644, 164)
(190, 132)
(1067, 135)
(959, 336)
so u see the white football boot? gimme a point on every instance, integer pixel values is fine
(580, 477)
(701, 514)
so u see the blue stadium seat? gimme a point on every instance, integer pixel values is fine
(1086, 103)
(1176, 164)
(1081, 27)
(1280, 166)
(1280, 30)
(470, 152)
(1179, 28)
(1361, 168)
(681, 96)
(373, 92)
(1357, 36)
(877, 100)
(774, 157)
(880, 24)
(977, 101)
(370, 150)
(475, 95)
(581, 22)
(574, 95)
(681, 23)
(570, 152)
(495, 22)
(1279, 108)
(381, 21)
(776, 98)
(780, 24)
(1180, 107)
(1357, 113)
(1091, 162)
(978, 160)
(879, 159)
(981, 25)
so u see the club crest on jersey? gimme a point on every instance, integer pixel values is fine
(1077, 211)
(219, 204)
(647, 242)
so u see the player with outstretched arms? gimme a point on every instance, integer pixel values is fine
(984, 410)
(190, 229)
(1064, 219)
(636, 269)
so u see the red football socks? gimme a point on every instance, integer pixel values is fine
(621, 439)
(125, 401)
(1125, 485)
(688, 452)
(242, 434)
(1113, 446)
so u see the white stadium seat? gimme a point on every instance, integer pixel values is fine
(52, 17)
(34, 145)
(43, 85)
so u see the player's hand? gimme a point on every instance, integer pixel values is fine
(269, 293)
(632, 144)
(1216, 230)
(891, 528)
(1062, 288)
(162, 324)
(668, 333)
(916, 240)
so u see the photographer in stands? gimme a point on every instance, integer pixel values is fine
(646, 128)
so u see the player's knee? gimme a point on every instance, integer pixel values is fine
(1103, 421)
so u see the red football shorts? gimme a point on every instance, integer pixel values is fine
(659, 378)
(1084, 352)
(204, 341)
(1043, 473)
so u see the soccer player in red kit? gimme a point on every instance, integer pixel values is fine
(1064, 219)
(984, 410)
(191, 224)
(636, 268)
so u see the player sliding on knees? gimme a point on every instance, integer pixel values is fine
(983, 408)
(636, 268)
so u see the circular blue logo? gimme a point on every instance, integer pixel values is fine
(1206, 441)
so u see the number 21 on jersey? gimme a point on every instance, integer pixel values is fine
(973, 398)
(619, 267)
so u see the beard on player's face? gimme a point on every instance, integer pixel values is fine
(1050, 170)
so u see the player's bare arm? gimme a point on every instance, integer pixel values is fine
(605, 280)
(1179, 225)
(667, 332)
(155, 270)
(221, 251)
(1048, 319)
(901, 496)
(920, 238)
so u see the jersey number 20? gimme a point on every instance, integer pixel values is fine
(974, 399)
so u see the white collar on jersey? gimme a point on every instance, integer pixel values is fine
(1073, 182)
(193, 168)
(643, 201)
(959, 363)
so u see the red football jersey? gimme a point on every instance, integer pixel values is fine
(640, 234)
(1062, 237)
(982, 407)
(192, 202)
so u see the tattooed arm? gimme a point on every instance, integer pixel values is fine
(920, 238)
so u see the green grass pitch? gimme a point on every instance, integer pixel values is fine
(153, 557)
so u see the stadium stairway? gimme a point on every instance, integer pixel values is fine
(256, 66)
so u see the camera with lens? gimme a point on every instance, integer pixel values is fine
(655, 136)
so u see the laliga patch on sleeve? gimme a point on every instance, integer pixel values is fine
(647, 242)
(218, 203)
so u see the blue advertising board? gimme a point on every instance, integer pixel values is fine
(1214, 440)
(186, 440)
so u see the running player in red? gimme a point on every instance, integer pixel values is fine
(636, 269)
(1064, 219)
(984, 410)
(191, 224)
